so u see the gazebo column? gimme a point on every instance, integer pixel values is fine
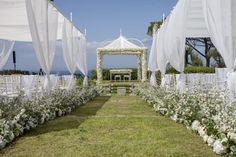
(139, 69)
(99, 67)
(144, 65)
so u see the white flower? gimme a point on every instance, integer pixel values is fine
(1, 112)
(232, 136)
(59, 113)
(210, 141)
(2, 142)
(174, 117)
(205, 138)
(195, 125)
(218, 148)
(201, 131)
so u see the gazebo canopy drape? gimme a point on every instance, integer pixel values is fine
(40, 22)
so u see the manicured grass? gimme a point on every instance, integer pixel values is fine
(110, 127)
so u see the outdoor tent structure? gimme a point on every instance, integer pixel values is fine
(124, 46)
(193, 19)
(40, 22)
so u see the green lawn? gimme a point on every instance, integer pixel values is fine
(110, 127)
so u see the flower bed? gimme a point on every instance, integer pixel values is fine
(204, 112)
(20, 114)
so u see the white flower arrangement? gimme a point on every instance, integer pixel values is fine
(21, 114)
(206, 112)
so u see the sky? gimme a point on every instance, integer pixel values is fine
(102, 20)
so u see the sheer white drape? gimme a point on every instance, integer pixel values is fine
(152, 63)
(181, 83)
(70, 47)
(153, 79)
(175, 35)
(220, 17)
(69, 81)
(28, 85)
(82, 59)
(6, 48)
(43, 23)
(161, 49)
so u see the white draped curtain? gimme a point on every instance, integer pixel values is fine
(43, 23)
(70, 49)
(6, 48)
(175, 35)
(220, 18)
(82, 59)
(152, 63)
(28, 85)
(161, 49)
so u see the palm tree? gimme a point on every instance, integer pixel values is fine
(151, 25)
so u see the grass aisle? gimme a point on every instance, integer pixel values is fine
(110, 127)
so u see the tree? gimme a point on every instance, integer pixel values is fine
(217, 57)
(202, 46)
(197, 44)
(195, 59)
(151, 25)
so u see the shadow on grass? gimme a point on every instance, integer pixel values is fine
(73, 120)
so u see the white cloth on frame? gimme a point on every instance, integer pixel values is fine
(43, 24)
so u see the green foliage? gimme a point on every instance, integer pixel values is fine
(79, 81)
(192, 69)
(217, 57)
(12, 72)
(106, 74)
(151, 25)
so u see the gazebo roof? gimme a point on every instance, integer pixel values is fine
(122, 43)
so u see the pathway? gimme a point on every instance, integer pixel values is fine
(110, 127)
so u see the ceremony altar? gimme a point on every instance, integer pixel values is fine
(127, 73)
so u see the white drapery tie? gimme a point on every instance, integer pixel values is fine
(153, 80)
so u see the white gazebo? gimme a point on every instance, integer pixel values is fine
(124, 46)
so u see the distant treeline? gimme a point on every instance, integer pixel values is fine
(15, 72)
(170, 70)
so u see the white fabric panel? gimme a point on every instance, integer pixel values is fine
(152, 63)
(69, 45)
(6, 48)
(181, 83)
(28, 82)
(161, 49)
(82, 59)
(69, 81)
(14, 23)
(231, 82)
(153, 79)
(175, 36)
(220, 17)
(196, 26)
(43, 22)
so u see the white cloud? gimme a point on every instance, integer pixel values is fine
(96, 44)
